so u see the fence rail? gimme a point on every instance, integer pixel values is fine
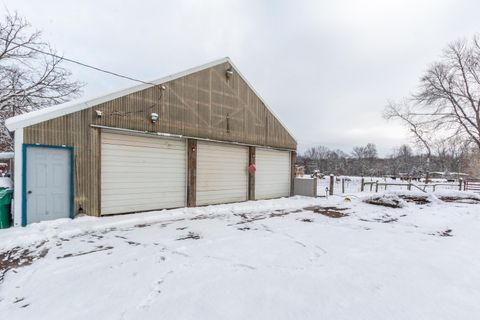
(472, 186)
(341, 185)
(409, 185)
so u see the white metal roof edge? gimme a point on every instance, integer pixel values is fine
(37, 116)
(34, 117)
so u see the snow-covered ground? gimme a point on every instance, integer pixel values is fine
(269, 259)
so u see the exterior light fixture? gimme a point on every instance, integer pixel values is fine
(229, 73)
(154, 117)
(99, 113)
(163, 87)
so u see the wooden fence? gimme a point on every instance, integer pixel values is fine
(409, 185)
(472, 186)
(375, 186)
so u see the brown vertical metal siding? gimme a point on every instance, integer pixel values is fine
(196, 105)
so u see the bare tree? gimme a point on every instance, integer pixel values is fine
(418, 127)
(447, 103)
(29, 79)
(365, 156)
(449, 94)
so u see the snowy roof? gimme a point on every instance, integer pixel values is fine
(38, 116)
(6, 155)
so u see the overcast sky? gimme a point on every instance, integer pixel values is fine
(326, 68)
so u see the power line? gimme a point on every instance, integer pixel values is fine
(80, 63)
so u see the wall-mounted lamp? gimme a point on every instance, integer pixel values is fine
(163, 87)
(154, 117)
(229, 72)
(99, 113)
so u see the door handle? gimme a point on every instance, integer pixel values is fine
(29, 191)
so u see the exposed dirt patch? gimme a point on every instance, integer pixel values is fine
(200, 217)
(379, 201)
(161, 223)
(460, 200)
(386, 219)
(243, 228)
(306, 220)
(20, 257)
(248, 217)
(76, 254)
(190, 235)
(133, 243)
(444, 233)
(332, 212)
(17, 300)
(281, 213)
(415, 199)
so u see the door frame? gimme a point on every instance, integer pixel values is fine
(24, 176)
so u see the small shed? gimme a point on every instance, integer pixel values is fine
(187, 139)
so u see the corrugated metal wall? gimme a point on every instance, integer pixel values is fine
(205, 104)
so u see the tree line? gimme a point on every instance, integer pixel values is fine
(364, 160)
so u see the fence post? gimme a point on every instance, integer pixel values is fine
(371, 186)
(409, 186)
(330, 190)
(460, 182)
(376, 186)
(343, 185)
(434, 188)
(315, 187)
(362, 186)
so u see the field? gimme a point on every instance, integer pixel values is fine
(295, 258)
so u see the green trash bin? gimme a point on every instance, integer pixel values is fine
(5, 204)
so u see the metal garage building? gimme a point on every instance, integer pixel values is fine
(184, 140)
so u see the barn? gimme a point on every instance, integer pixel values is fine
(189, 139)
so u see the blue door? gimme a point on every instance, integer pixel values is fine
(48, 183)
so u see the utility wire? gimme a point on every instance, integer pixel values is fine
(80, 63)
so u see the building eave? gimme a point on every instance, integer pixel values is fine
(38, 116)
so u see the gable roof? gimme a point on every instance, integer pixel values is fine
(42, 115)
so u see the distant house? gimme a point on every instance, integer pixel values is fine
(184, 140)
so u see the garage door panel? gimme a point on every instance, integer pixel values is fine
(150, 171)
(133, 152)
(137, 207)
(123, 141)
(272, 177)
(221, 173)
(141, 173)
(220, 198)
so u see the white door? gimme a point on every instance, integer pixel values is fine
(222, 173)
(272, 177)
(141, 173)
(47, 183)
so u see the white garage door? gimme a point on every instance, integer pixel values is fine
(141, 173)
(272, 178)
(222, 174)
